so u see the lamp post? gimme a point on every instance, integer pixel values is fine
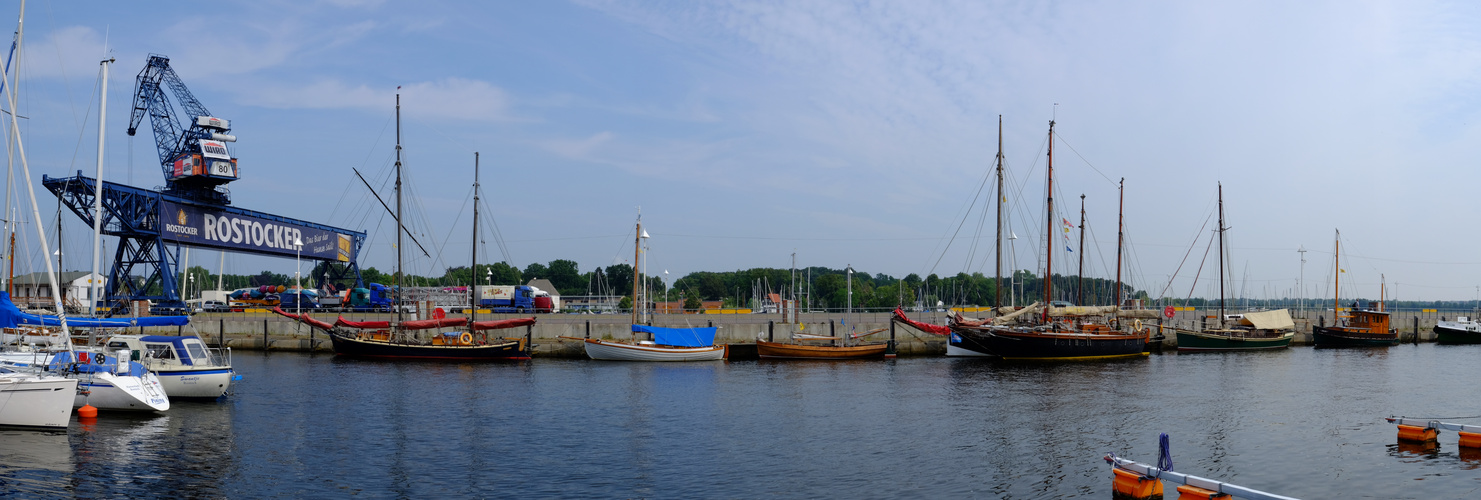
(297, 281)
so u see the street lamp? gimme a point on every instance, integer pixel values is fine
(298, 282)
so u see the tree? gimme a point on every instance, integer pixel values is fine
(692, 303)
(503, 274)
(566, 276)
(535, 270)
(619, 278)
(625, 303)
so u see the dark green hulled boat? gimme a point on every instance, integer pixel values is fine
(1462, 331)
(1252, 331)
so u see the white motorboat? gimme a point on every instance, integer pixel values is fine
(186, 368)
(649, 351)
(30, 398)
(104, 381)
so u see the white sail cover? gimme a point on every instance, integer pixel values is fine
(1279, 319)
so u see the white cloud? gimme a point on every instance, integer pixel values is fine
(449, 98)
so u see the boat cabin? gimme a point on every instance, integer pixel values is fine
(1368, 321)
(163, 349)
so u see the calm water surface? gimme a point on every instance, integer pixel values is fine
(1300, 422)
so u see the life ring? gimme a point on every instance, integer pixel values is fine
(1136, 325)
(467, 338)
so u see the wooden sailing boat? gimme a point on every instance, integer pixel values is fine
(396, 340)
(668, 344)
(1259, 330)
(1361, 328)
(1045, 337)
(797, 349)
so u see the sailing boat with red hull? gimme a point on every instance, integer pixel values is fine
(396, 340)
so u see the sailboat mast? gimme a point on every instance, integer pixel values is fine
(1221, 254)
(1120, 242)
(997, 289)
(1336, 278)
(397, 295)
(637, 252)
(473, 295)
(1080, 294)
(10, 142)
(1049, 226)
(92, 286)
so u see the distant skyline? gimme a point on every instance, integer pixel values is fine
(850, 133)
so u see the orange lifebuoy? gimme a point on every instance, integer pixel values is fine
(467, 338)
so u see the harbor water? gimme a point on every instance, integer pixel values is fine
(1301, 422)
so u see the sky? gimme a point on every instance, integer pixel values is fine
(848, 133)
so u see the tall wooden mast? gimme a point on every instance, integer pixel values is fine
(997, 289)
(1221, 254)
(398, 296)
(1337, 279)
(1120, 242)
(1080, 293)
(473, 295)
(1049, 227)
(637, 253)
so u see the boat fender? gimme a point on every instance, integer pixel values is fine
(467, 338)
(1136, 325)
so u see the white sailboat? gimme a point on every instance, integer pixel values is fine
(34, 399)
(109, 381)
(668, 344)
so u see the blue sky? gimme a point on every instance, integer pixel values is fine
(849, 132)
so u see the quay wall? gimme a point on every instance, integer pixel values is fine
(264, 330)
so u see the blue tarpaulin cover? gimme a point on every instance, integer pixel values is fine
(11, 316)
(681, 337)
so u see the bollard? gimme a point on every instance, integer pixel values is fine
(1186, 492)
(221, 332)
(588, 328)
(771, 331)
(529, 339)
(1416, 330)
(1127, 485)
(1321, 320)
(889, 350)
(831, 334)
(1417, 434)
(264, 335)
(710, 324)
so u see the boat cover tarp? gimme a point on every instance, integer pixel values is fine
(679, 337)
(305, 319)
(423, 324)
(503, 323)
(1279, 319)
(925, 327)
(363, 325)
(11, 316)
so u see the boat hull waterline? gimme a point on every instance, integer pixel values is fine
(1056, 346)
(618, 351)
(31, 401)
(1205, 341)
(1450, 335)
(1330, 337)
(380, 349)
(778, 350)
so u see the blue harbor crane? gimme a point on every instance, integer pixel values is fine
(193, 208)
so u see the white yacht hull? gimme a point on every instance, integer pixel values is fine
(110, 391)
(616, 351)
(32, 401)
(209, 383)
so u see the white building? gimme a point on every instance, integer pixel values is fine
(34, 290)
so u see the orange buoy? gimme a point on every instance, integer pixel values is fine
(1417, 433)
(1127, 485)
(1186, 492)
(1470, 439)
(87, 411)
